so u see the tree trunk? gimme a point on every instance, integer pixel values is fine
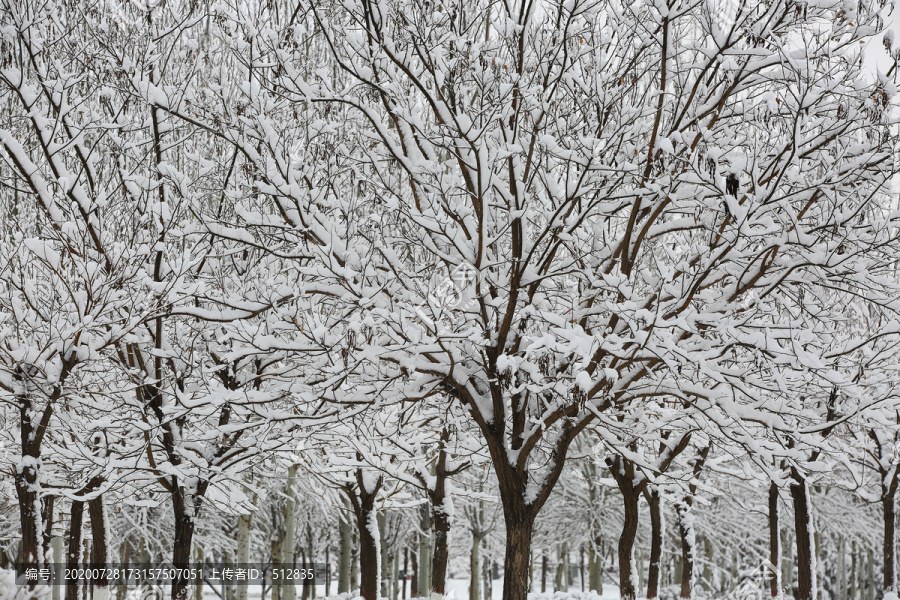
(311, 545)
(47, 520)
(678, 565)
(581, 566)
(346, 554)
(518, 551)
(405, 570)
(531, 571)
(887, 508)
(486, 578)
(100, 549)
(198, 560)
(559, 581)
(368, 552)
(27, 475)
(545, 564)
(595, 570)
(414, 577)
(354, 562)
(627, 575)
(842, 569)
(56, 544)
(28, 492)
(289, 591)
(656, 538)
(441, 520)
(305, 594)
(475, 568)
(774, 546)
(601, 558)
(385, 565)
(363, 501)
(803, 529)
(245, 522)
(229, 590)
(870, 574)
(425, 551)
(73, 554)
(707, 568)
(787, 560)
(276, 549)
(395, 583)
(327, 570)
(688, 543)
(186, 506)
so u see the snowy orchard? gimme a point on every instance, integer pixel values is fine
(452, 287)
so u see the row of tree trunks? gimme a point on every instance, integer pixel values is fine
(803, 529)
(632, 485)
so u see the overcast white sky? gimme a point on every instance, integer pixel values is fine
(875, 53)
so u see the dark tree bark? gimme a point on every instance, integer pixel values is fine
(518, 552)
(73, 553)
(440, 520)
(414, 576)
(656, 539)
(47, 520)
(806, 558)
(99, 549)
(544, 566)
(632, 486)
(887, 506)
(890, 477)
(27, 476)
(803, 533)
(33, 424)
(520, 498)
(305, 594)
(581, 566)
(186, 506)
(774, 546)
(686, 528)
(363, 502)
(627, 576)
(688, 540)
